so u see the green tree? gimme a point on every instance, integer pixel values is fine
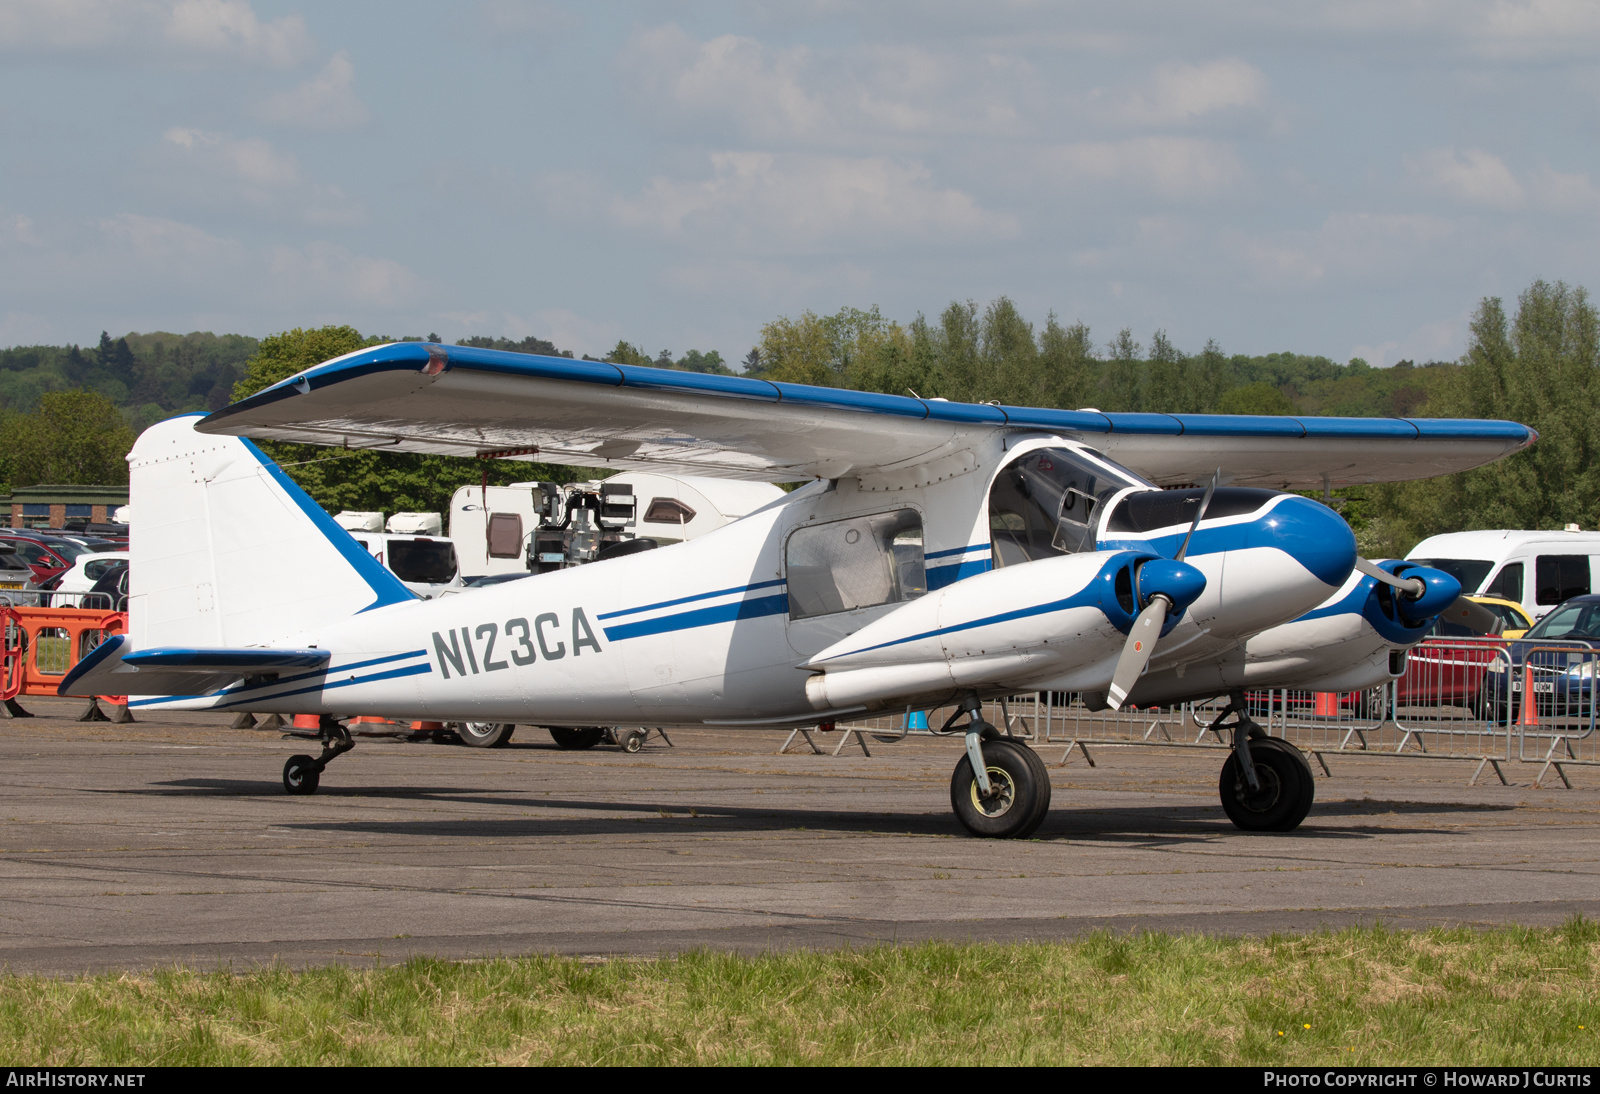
(800, 351)
(1255, 399)
(625, 353)
(384, 481)
(1120, 384)
(1067, 364)
(1537, 368)
(75, 437)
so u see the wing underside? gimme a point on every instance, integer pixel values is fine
(461, 401)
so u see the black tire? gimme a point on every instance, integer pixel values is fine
(576, 738)
(632, 740)
(1491, 703)
(1287, 788)
(484, 734)
(1016, 777)
(1042, 773)
(301, 775)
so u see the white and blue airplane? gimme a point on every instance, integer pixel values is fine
(938, 554)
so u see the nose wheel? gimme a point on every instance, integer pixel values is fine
(1266, 783)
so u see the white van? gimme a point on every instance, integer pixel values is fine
(493, 532)
(1536, 569)
(426, 565)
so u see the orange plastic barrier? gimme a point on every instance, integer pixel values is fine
(82, 629)
(11, 654)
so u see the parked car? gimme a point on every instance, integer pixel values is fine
(1538, 570)
(17, 587)
(1562, 650)
(113, 587)
(426, 565)
(47, 557)
(74, 589)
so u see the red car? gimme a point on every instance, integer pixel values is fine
(46, 558)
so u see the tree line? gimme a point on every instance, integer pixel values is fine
(68, 415)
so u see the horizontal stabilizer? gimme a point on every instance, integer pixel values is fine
(113, 669)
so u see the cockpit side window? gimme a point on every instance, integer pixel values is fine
(1048, 502)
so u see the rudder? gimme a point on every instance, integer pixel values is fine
(227, 551)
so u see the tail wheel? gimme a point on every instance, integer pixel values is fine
(576, 738)
(301, 774)
(1019, 794)
(1286, 790)
(484, 734)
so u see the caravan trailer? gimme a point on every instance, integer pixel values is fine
(494, 529)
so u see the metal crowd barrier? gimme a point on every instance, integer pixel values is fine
(1456, 700)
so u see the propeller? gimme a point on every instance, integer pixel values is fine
(1171, 583)
(1473, 616)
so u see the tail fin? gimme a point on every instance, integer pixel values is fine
(228, 551)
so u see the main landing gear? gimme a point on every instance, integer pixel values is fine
(1266, 783)
(301, 774)
(1000, 789)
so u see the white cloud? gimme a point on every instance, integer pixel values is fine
(766, 201)
(1175, 167)
(326, 101)
(229, 28)
(219, 171)
(194, 30)
(328, 273)
(1474, 177)
(1563, 193)
(797, 95)
(1181, 93)
(164, 243)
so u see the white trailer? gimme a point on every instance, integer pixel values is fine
(492, 529)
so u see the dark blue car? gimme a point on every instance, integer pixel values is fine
(1562, 649)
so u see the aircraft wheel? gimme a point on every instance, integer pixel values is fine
(576, 738)
(632, 740)
(1286, 793)
(484, 734)
(1020, 798)
(301, 775)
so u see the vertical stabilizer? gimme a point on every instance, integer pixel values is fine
(228, 551)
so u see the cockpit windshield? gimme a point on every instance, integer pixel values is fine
(1047, 502)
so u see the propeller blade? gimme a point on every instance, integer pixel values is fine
(1411, 586)
(1474, 616)
(1136, 651)
(1200, 515)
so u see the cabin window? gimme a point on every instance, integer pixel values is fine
(1507, 584)
(668, 511)
(1558, 578)
(855, 563)
(505, 535)
(1048, 502)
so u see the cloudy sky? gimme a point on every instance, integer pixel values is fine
(1345, 178)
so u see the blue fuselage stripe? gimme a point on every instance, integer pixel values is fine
(392, 674)
(701, 617)
(690, 599)
(408, 671)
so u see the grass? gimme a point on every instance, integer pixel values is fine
(1513, 996)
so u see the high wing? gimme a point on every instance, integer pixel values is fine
(464, 401)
